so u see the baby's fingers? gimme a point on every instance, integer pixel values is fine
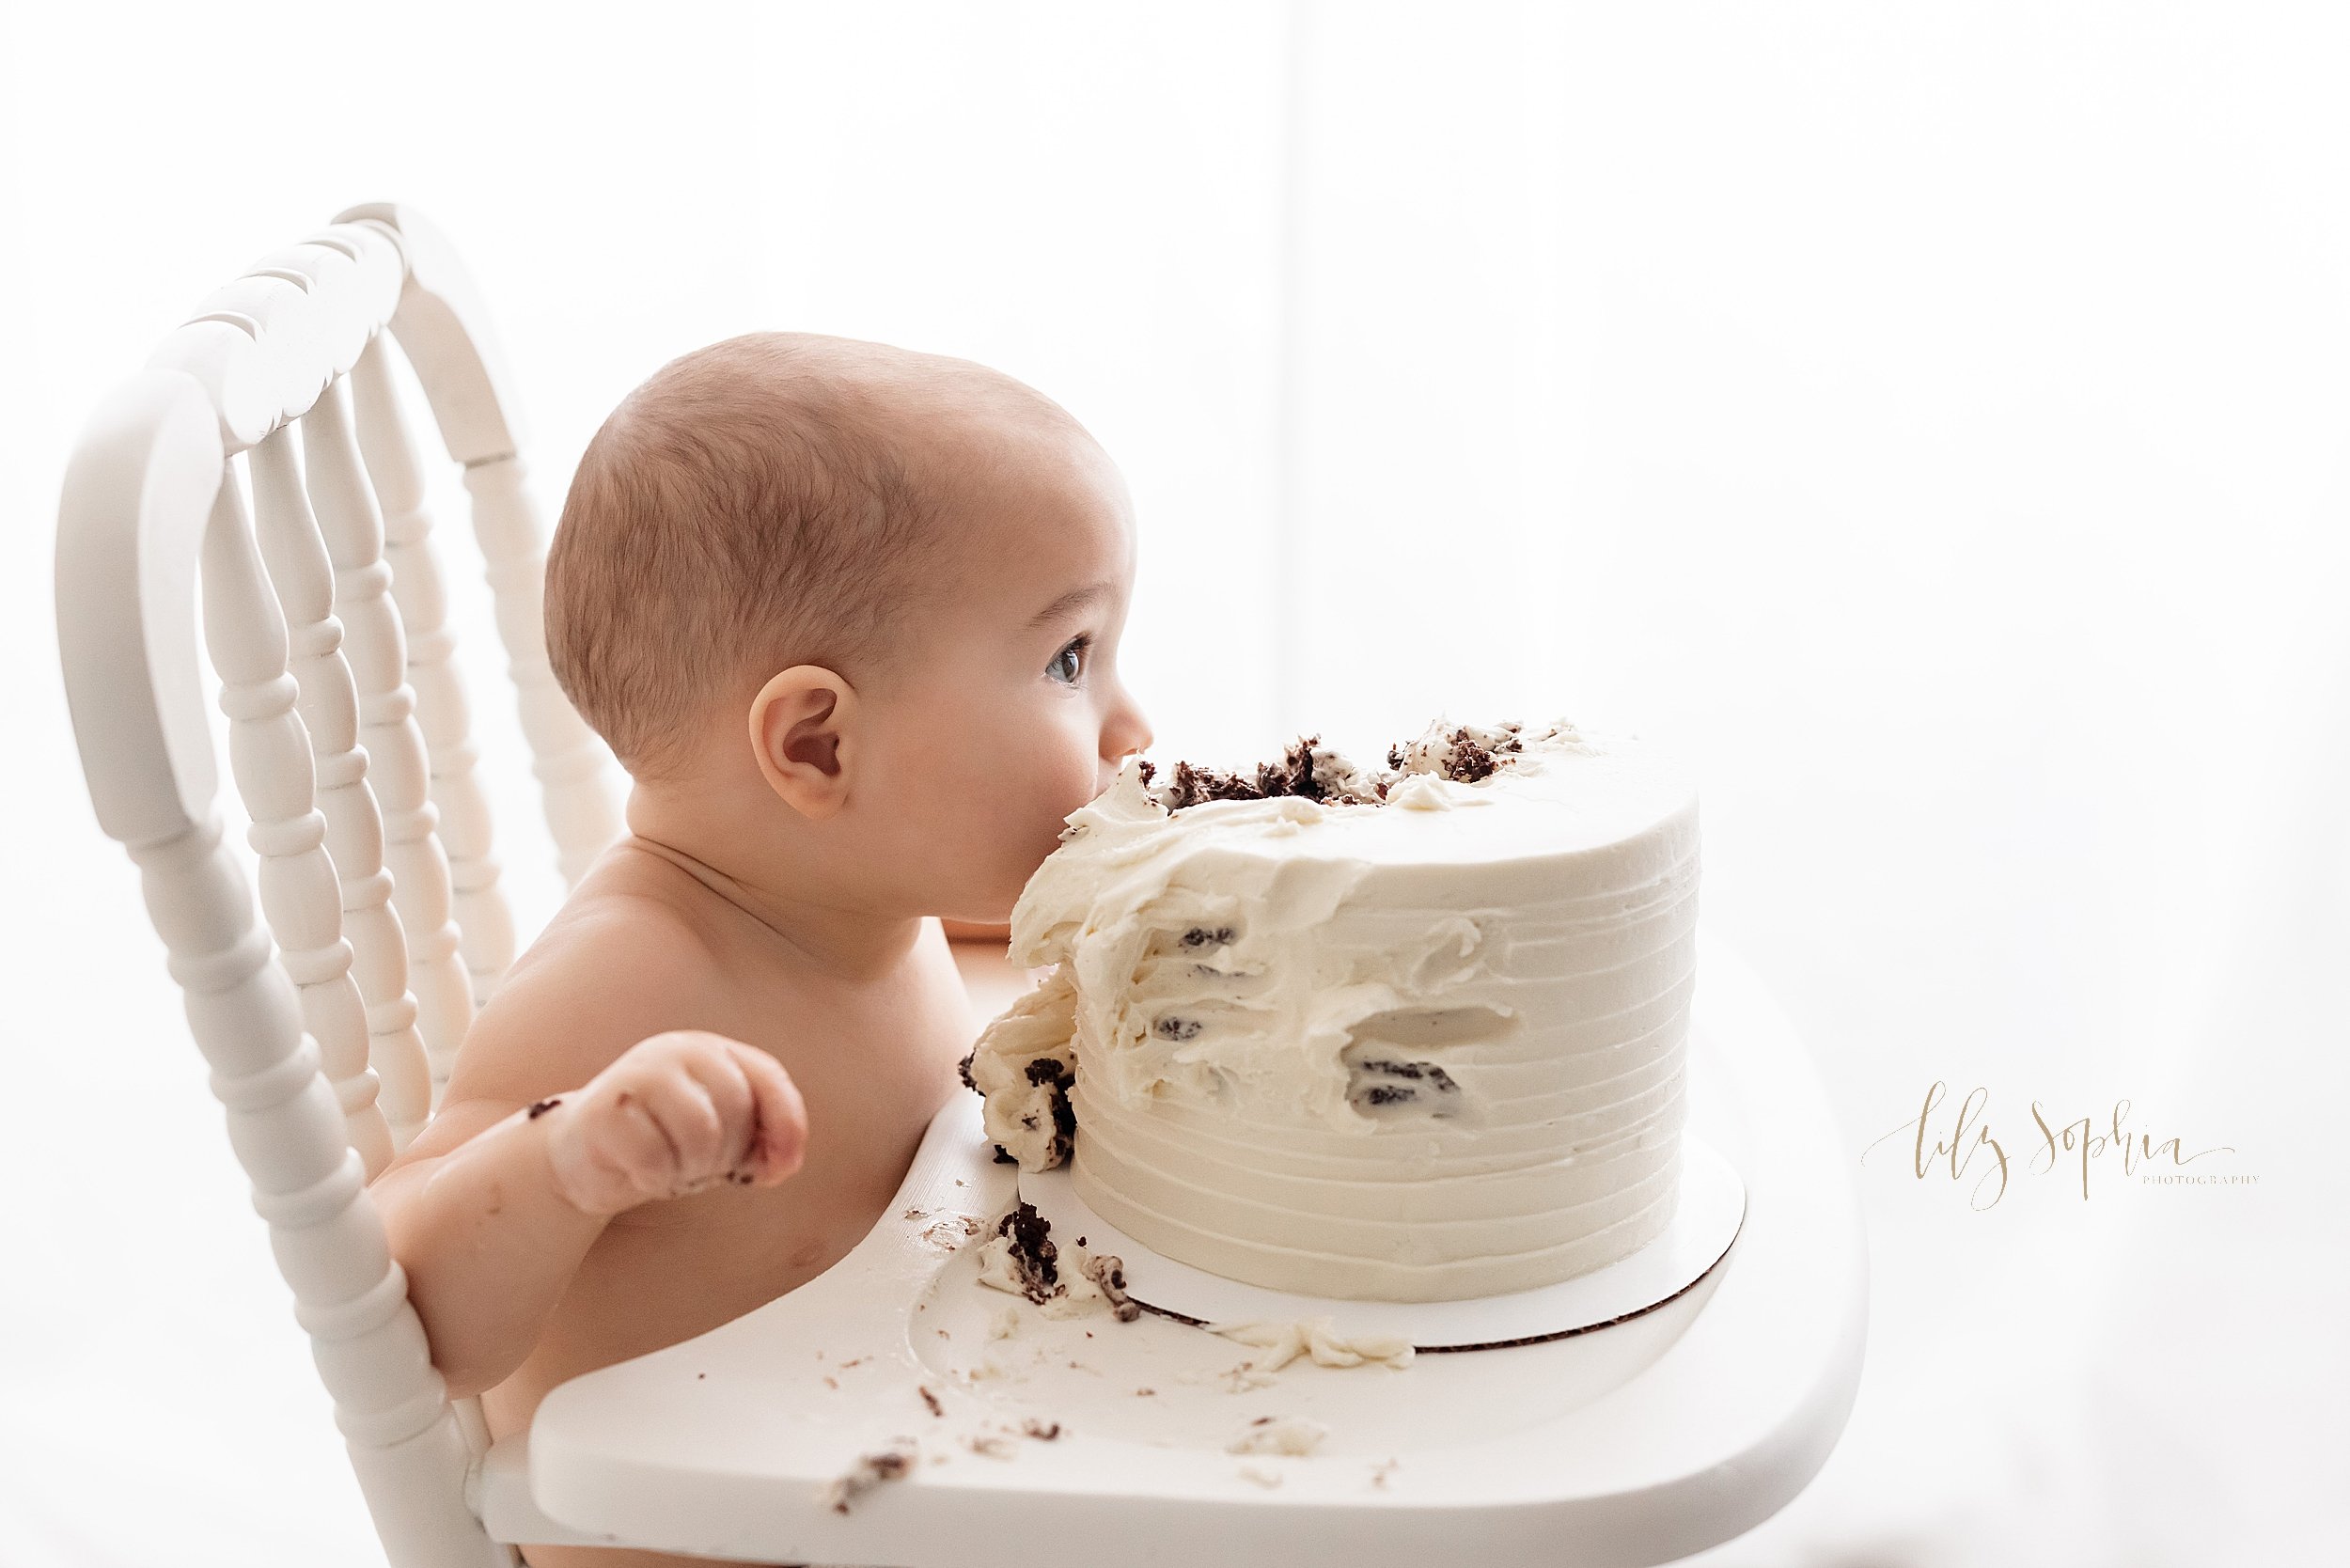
(779, 1132)
(687, 1114)
(606, 1153)
(722, 1078)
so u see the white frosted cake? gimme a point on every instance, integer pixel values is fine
(1401, 1034)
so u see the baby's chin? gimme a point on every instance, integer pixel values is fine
(993, 880)
(990, 911)
(976, 930)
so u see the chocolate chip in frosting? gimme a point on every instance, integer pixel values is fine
(1381, 1082)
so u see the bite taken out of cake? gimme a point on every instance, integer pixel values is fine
(1403, 1033)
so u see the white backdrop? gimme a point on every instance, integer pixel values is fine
(1936, 421)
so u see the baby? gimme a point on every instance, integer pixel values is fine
(849, 616)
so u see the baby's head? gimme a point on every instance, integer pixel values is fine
(854, 609)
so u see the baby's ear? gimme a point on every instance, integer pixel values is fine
(802, 731)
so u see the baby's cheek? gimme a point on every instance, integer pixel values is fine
(1020, 823)
(1075, 785)
(1049, 805)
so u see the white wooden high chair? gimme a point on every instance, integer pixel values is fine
(330, 1024)
(322, 614)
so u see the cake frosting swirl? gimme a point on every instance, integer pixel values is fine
(1407, 1033)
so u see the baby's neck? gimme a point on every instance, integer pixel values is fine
(844, 939)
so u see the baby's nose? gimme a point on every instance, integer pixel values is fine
(1136, 736)
(1126, 733)
(1107, 775)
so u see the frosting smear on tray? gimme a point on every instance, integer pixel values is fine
(1410, 1033)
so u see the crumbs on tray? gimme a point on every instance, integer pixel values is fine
(1022, 1258)
(1292, 1434)
(997, 1441)
(871, 1469)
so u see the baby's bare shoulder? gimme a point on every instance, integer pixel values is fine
(624, 959)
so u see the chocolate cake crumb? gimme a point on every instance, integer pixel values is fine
(963, 1068)
(1147, 768)
(1043, 1431)
(1308, 770)
(1003, 1158)
(1109, 1271)
(1469, 761)
(1293, 775)
(541, 1107)
(1194, 786)
(1053, 1071)
(931, 1400)
(1177, 1028)
(1204, 936)
(1033, 1254)
(869, 1471)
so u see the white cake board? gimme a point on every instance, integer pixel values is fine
(1711, 1206)
(1637, 1443)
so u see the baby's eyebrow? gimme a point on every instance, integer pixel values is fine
(1070, 602)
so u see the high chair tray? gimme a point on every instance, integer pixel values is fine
(1085, 1441)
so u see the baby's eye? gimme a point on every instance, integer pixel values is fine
(1074, 654)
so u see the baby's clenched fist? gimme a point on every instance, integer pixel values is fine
(677, 1113)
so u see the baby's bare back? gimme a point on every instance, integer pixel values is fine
(643, 949)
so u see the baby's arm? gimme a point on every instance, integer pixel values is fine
(492, 1209)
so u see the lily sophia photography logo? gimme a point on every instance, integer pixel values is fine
(1954, 1141)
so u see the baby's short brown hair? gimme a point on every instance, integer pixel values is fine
(752, 505)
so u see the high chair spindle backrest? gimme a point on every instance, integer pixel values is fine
(332, 1023)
